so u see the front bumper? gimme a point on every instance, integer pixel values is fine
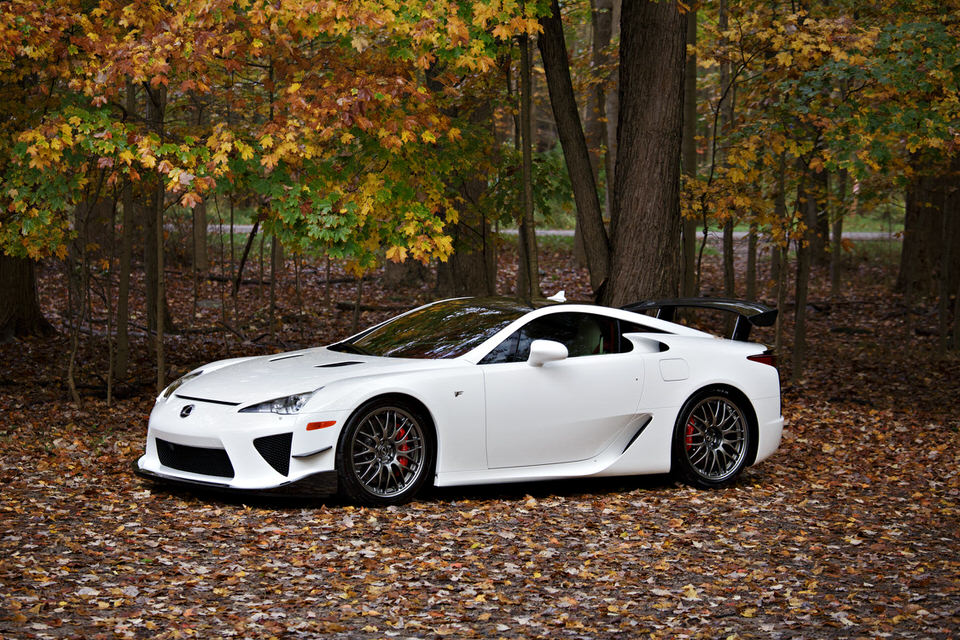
(218, 447)
(322, 484)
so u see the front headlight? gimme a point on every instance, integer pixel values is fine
(283, 406)
(179, 383)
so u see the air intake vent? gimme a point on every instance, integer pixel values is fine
(345, 363)
(209, 462)
(276, 451)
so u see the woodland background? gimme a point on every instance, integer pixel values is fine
(380, 155)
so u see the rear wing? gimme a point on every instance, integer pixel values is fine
(749, 314)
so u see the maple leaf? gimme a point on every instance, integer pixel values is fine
(190, 199)
(396, 254)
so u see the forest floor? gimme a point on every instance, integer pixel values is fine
(848, 531)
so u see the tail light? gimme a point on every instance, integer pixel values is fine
(767, 357)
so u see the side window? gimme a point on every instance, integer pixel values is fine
(506, 351)
(583, 334)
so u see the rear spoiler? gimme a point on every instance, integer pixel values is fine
(749, 314)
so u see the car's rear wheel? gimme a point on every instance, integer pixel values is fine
(385, 454)
(711, 439)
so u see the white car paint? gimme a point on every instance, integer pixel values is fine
(578, 406)
(610, 414)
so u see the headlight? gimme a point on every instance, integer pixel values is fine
(179, 383)
(284, 406)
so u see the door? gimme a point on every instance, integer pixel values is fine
(563, 411)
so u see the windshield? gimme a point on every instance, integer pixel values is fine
(447, 329)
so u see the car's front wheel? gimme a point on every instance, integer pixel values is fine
(385, 454)
(711, 439)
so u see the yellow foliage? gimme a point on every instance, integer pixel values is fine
(397, 254)
(147, 159)
(246, 151)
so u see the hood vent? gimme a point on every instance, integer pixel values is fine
(345, 363)
(286, 357)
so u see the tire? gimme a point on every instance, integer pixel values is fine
(711, 439)
(385, 454)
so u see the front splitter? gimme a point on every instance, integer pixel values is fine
(318, 485)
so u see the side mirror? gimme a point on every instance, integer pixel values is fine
(543, 351)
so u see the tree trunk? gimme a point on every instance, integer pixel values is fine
(724, 128)
(646, 251)
(156, 112)
(689, 286)
(411, 273)
(108, 296)
(820, 193)
(553, 51)
(955, 341)
(779, 253)
(84, 296)
(596, 113)
(751, 292)
(243, 257)
(927, 202)
(123, 286)
(470, 271)
(20, 314)
(161, 291)
(774, 265)
(804, 250)
(597, 133)
(612, 111)
(836, 235)
(152, 221)
(200, 260)
(355, 321)
(528, 272)
(472, 268)
(275, 260)
(947, 276)
(729, 275)
(126, 258)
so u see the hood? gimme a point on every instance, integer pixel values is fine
(253, 380)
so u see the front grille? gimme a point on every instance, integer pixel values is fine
(204, 460)
(276, 451)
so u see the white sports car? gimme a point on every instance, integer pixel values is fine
(478, 390)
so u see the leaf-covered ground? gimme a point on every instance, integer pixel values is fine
(849, 531)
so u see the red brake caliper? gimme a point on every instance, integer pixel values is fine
(403, 460)
(688, 440)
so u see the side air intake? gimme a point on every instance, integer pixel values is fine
(276, 451)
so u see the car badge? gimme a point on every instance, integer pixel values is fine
(187, 410)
